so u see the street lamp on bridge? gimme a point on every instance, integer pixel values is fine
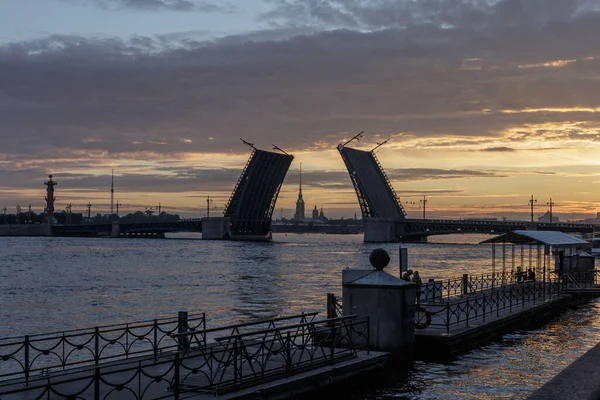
(550, 204)
(424, 202)
(532, 201)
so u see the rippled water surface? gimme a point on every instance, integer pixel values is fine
(52, 284)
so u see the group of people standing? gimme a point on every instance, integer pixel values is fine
(409, 276)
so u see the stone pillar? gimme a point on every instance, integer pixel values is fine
(115, 230)
(379, 230)
(388, 301)
(215, 228)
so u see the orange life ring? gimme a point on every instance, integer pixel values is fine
(423, 325)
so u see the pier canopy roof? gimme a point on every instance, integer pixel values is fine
(548, 238)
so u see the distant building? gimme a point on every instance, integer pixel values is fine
(315, 213)
(546, 218)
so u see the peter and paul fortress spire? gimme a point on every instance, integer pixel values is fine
(299, 215)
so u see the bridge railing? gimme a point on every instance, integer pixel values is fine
(42, 354)
(235, 362)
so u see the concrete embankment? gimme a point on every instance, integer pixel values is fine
(580, 380)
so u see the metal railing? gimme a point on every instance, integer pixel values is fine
(234, 362)
(22, 357)
(499, 299)
(443, 290)
(200, 338)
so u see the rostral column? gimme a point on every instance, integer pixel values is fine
(50, 197)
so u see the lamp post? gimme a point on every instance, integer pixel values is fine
(532, 201)
(550, 204)
(424, 202)
(208, 204)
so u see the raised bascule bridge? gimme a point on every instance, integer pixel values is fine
(249, 210)
(247, 215)
(384, 218)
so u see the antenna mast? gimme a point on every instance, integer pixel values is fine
(112, 192)
(357, 137)
(379, 145)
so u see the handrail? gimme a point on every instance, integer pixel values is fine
(245, 324)
(270, 330)
(210, 370)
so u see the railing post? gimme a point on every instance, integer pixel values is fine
(176, 373)
(510, 297)
(447, 318)
(288, 354)
(26, 360)
(498, 303)
(330, 305)
(465, 284)
(155, 339)
(484, 306)
(368, 335)
(96, 345)
(182, 327)
(467, 312)
(96, 382)
(204, 328)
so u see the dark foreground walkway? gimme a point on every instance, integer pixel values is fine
(282, 356)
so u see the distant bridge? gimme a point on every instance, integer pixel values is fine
(384, 217)
(145, 229)
(247, 216)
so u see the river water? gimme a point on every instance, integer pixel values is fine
(54, 284)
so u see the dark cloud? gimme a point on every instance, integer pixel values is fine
(159, 5)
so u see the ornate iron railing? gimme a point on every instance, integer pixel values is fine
(491, 303)
(43, 354)
(233, 362)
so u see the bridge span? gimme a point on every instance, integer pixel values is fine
(384, 218)
(419, 229)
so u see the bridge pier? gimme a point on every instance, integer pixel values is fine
(379, 230)
(215, 228)
(115, 231)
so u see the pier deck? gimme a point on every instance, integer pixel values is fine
(462, 322)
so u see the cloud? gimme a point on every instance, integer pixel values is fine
(159, 5)
(433, 75)
(499, 149)
(382, 14)
(413, 174)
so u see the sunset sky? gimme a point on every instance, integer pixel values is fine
(486, 102)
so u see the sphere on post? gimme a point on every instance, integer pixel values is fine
(379, 259)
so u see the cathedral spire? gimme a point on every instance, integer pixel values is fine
(300, 191)
(299, 215)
